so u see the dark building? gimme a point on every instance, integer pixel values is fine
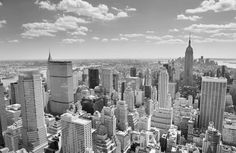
(170, 71)
(115, 82)
(188, 65)
(14, 93)
(147, 91)
(123, 85)
(133, 72)
(223, 70)
(93, 78)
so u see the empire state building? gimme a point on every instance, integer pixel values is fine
(188, 65)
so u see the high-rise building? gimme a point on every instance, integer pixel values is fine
(12, 136)
(14, 93)
(188, 65)
(31, 99)
(133, 72)
(212, 103)
(162, 119)
(109, 120)
(107, 80)
(3, 116)
(163, 90)
(76, 133)
(116, 81)
(123, 85)
(122, 115)
(93, 74)
(48, 72)
(148, 78)
(61, 82)
(129, 98)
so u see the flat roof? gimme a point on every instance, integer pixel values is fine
(74, 119)
(214, 79)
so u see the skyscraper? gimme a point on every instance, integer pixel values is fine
(93, 77)
(107, 79)
(133, 72)
(121, 115)
(76, 133)
(129, 98)
(31, 99)
(14, 93)
(148, 78)
(163, 89)
(61, 82)
(212, 104)
(48, 71)
(3, 116)
(188, 65)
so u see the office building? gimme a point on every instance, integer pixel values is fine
(61, 82)
(13, 113)
(14, 93)
(188, 65)
(93, 79)
(148, 78)
(144, 123)
(162, 119)
(48, 71)
(129, 98)
(122, 115)
(3, 116)
(116, 81)
(12, 136)
(172, 89)
(133, 72)
(76, 133)
(107, 80)
(109, 120)
(31, 99)
(163, 89)
(212, 103)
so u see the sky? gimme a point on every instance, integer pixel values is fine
(85, 29)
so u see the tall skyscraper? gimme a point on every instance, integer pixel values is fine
(61, 82)
(31, 99)
(107, 79)
(212, 103)
(148, 78)
(133, 72)
(93, 74)
(116, 81)
(122, 115)
(48, 71)
(14, 93)
(76, 133)
(188, 65)
(3, 116)
(129, 98)
(163, 89)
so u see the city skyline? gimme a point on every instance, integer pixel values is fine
(80, 29)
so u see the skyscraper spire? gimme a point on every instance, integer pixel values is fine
(49, 56)
(189, 40)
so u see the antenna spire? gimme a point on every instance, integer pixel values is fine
(189, 40)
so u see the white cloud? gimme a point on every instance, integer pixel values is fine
(13, 41)
(104, 40)
(84, 8)
(122, 15)
(174, 30)
(71, 41)
(115, 39)
(152, 37)
(213, 5)
(2, 22)
(191, 18)
(170, 41)
(132, 35)
(95, 38)
(129, 9)
(0, 3)
(210, 40)
(64, 23)
(211, 28)
(46, 5)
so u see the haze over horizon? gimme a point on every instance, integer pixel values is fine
(87, 29)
